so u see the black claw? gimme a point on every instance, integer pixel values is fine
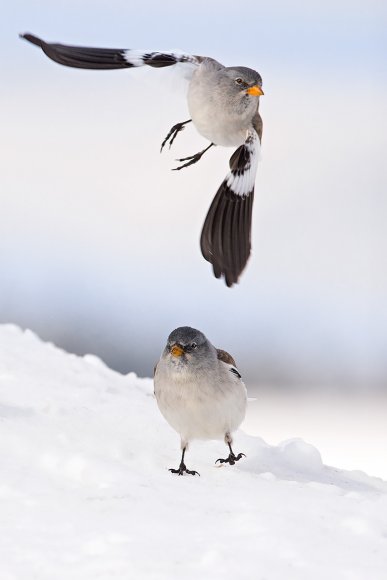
(182, 469)
(173, 134)
(192, 472)
(231, 459)
(192, 158)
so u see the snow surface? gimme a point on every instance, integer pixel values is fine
(85, 492)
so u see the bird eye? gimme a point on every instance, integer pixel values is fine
(239, 81)
(193, 345)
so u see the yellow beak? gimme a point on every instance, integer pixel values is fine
(176, 350)
(255, 91)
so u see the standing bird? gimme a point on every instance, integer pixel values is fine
(223, 103)
(199, 391)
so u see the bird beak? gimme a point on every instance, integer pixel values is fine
(177, 350)
(255, 91)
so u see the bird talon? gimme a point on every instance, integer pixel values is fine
(231, 459)
(182, 469)
(192, 158)
(173, 134)
(182, 166)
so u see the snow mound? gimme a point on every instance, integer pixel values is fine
(86, 493)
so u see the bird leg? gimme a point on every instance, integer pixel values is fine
(173, 133)
(193, 158)
(182, 467)
(232, 458)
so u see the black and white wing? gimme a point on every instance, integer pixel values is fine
(109, 58)
(226, 235)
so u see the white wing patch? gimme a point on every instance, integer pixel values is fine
(135, 57)
(241, 180)
(158, 58)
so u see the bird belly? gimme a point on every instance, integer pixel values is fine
(217, 132)
(214, 121)
(198, 412)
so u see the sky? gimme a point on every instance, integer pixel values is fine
(100, 240)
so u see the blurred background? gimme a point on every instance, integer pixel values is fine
(99, 244)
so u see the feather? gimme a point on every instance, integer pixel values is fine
(226, 235)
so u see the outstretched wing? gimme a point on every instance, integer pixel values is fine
(109, 58)
(226, 236)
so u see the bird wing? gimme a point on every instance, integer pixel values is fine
(226, 235)
(225, 357)
(110, 58)
(228, 359)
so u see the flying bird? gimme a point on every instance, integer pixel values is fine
(223, 103)
(199, 391)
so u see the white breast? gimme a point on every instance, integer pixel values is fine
(197, 409)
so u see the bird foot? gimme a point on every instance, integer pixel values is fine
(173, 134)
(183, 469)
(231, 459)
(191, 160)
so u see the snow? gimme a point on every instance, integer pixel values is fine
(86, 493)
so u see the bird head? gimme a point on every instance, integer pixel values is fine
(187, 345)
(245, 80)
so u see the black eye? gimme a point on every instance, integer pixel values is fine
(193, 345)
(239, 81)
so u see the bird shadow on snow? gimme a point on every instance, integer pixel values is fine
(296, 461)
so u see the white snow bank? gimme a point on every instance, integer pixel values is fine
(85, 492)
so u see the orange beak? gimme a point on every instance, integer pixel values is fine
(255, 91)
(176, 350)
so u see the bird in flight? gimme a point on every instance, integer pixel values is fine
(223, 103)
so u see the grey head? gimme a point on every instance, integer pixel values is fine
(244, 80)
(188, 345)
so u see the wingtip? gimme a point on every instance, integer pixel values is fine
(31, 38)
(229, 279)
(230, 283)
